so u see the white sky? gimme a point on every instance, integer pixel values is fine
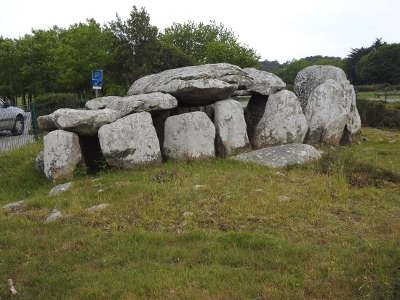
(278, 29)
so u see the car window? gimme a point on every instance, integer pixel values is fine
(1, 103)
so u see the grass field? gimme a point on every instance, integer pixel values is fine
(210, 230)
(392, 98)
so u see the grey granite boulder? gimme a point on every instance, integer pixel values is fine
(130, 141)
(326, 114)
(83, 122)
(263, 83)
(283, 122)
(195, 85)
(46, 123)
(97, 208)
(59, 189)
(62, 153)
(231, 130)
(311, 77)
(353, 124)
(189, 136)
(53, 216)
(281, 156)
(137, 103)
(14, 207)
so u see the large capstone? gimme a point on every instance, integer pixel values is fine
(283, 122)
(311, 77)
(61, 153)
(281, 156)
(231, 130)
(83, 122)
(131, 141)
(326, 114)
(189, 136)
(137, 103)
(263, 83)
(195, 85)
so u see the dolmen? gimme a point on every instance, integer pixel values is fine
(195, 112)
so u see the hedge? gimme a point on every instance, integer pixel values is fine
(47, 103)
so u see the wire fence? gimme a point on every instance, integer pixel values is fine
(18, 126)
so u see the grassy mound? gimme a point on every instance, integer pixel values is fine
(216, 229)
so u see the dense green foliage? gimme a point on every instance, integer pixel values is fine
(209, 43)
(377, 114)
(354, 58)
(288, 70)
(61, 59)
(47, 103)
(382, 65)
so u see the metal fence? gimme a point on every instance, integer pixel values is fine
(18, 126)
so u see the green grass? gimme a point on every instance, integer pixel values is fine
(336, 234)
(380, 96)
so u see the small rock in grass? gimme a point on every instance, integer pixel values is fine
(15, 206)
(53, 216)
(198, 186)
(187, 214)
(283, 198)
(97, 208)
(59, 189)
(259, 190)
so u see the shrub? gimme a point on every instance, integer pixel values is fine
(376, 114)
(47, 103)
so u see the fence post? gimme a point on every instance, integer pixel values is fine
(34, 121)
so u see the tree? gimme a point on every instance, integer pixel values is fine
(289, 73)
(354, 58)
(137, 51)
(209, 43)
(9, 86)
(381, 65)
(82, 48)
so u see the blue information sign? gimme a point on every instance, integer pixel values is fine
(97, 79)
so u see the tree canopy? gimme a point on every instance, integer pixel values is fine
(61, 59)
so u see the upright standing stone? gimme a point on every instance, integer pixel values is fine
(230, 128)
(283, 122)
(311, 77)
(130, 141)
(61, 153)
(189, 136)
(326, 114)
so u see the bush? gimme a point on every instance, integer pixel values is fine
(47, 103)
(377, 87)
(376, 114)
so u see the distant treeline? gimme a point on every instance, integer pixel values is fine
(60, 60)
(377, 64)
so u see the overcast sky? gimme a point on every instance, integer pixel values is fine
(279, 29)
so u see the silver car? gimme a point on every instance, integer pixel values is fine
(11, 118)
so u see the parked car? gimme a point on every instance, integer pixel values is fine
(11, 118)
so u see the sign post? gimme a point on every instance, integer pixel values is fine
(97, 80)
